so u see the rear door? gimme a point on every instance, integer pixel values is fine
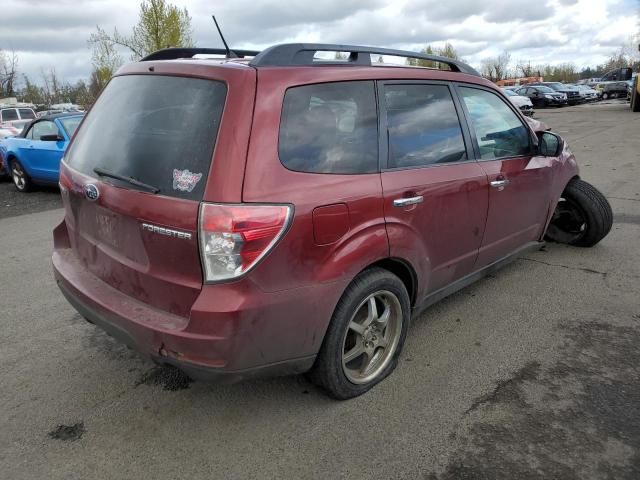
(140, 235)
(519, 180)
(435, 194)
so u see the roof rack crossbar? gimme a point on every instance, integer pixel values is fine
(174, 53)
(297, 54)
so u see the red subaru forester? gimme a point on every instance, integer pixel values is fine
(287, 213)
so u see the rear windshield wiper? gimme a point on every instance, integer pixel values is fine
(106, 173)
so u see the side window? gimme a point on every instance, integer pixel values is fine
(330, 128)
(499, 131)
(30, 133)
(9, 115)
(43, 128)
(423, 126)
(27, 114)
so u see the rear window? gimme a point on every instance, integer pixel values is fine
(27, 114)
(158, 130)
(9, 115)
(330, 128)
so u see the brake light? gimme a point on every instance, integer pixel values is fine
(233, 238)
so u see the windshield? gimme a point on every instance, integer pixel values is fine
(545, 90)
(510, 93)
(158, 130)
(70, 125)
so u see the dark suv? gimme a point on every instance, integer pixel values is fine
(572, 93)
(237, 217)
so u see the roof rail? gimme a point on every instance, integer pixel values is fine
(292, 54)
(188, 52)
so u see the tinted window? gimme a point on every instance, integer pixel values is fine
(27, 114)
(70, 125)
(498, 130)
(423, 126)
(9, 114)
(43, 128)
(158, 130)
(330, 128)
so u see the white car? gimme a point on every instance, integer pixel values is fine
(520, 101)
(587, 93)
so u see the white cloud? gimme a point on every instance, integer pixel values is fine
(49, 34)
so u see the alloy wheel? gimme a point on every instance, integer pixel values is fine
(372, 337)
(19, 176)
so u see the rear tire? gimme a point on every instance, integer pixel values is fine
(583, 216)
(372, 317)
(20, 177)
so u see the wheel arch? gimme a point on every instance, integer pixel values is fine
(401, 269)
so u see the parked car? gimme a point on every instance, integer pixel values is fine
(301, 229)
(33, 157)
(520, 101)
(45, 113)
(572, 93)
(8, 130)
(542, 96)
(11, 115)
(612, 89)
(588, 94)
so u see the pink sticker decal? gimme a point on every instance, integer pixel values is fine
(184, 180)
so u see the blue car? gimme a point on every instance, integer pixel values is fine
(33, 157)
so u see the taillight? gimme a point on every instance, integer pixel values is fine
(233, 238)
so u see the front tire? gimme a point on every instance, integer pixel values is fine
(582, 217)
(365, 336)
(20, 177)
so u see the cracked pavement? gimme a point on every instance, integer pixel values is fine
(531, 373)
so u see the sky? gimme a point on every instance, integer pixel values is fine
(48, 34)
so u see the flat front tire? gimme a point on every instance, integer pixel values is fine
(365, 336)
(582, 217)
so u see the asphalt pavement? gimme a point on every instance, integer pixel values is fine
(532, 373)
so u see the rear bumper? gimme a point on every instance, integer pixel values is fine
(256, 339)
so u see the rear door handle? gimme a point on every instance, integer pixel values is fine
(500, 183)
(405, 202)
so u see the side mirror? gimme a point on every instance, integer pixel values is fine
(51, 138)
(549, 144)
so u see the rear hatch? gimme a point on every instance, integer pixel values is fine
(132, 182)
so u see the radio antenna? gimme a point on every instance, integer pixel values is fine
(230, 53)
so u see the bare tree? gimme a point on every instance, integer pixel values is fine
(52, 86)
(496, 68)
(526, 69)
(8, 73)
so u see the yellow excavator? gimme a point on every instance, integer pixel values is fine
(635, 92)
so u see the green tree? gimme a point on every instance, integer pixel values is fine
(446, 51)
(160, 25)
(105, 60)
(32, 93)
(418, 62)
